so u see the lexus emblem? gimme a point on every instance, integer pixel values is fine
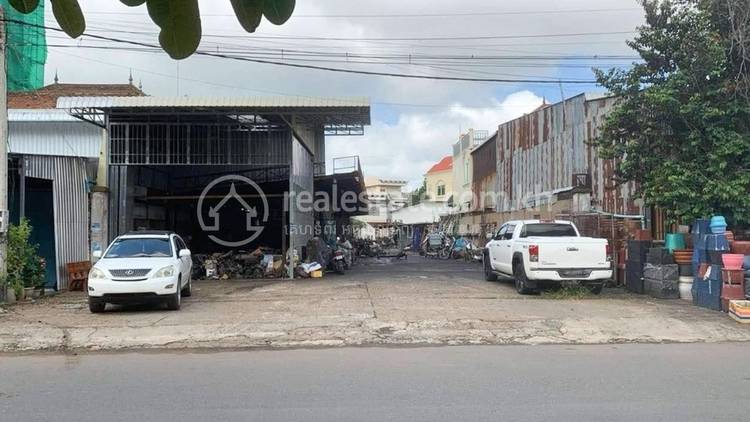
(129, 272)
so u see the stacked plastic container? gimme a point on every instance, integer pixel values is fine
(708, 248)
(637, 256)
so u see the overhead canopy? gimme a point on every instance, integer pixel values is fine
(335, 114)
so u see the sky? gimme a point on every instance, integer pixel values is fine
(414, 122)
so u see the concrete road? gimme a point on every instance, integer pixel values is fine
(695, 382)
(414, 302)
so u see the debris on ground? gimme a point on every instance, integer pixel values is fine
(259, 263)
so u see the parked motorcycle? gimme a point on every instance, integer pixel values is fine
(338, 262)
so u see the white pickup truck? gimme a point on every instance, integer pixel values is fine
(539, 252)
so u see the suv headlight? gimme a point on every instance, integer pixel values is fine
(165, 272)
(97, 274)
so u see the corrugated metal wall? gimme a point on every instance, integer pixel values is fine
(484, 175)
(74, 139)
(71, 207)
(607, 195)
(539, 153)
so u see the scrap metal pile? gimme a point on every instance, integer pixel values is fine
(260, 263)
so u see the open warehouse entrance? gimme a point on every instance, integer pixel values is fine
(216, 171)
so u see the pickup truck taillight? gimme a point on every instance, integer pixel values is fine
(533, 253)
(609, 252)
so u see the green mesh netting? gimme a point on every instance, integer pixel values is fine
(27, 49)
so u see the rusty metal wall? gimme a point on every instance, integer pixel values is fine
(538, 154)
(484, 175)
(606, 194)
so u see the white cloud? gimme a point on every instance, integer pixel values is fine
(409, 147)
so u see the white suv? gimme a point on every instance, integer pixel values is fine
(141, 267)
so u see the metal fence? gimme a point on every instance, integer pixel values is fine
(197, 144)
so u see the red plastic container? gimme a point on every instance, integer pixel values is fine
(732, 261)
(732, 288)
(741, 247)
(732, 276)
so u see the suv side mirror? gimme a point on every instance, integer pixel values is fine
(490, 236)
(185, 253)
(96, 254)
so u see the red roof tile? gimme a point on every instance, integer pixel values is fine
(46, 97)
(444, 164)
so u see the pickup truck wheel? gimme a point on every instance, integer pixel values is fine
(489, 275)
(595, 288)
(519, 274)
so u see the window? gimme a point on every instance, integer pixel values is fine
(509, 233)
(140, 248)
(441, 190)
(501, 233)
(548, 230)
(181, 244)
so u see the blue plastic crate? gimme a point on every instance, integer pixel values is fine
(715, 273)
(699, 241)
(707, 287)
(699, 255)
(708, 301)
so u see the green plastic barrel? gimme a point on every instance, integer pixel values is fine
(674, 241)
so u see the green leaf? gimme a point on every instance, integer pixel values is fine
(180, 24)
(249, 13)
(24, 6)
(69, 17)
(133, 3)
(278, 11)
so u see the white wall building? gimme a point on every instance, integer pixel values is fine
(463, 168)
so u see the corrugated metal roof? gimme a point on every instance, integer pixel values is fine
(43, 115)
(212, 102)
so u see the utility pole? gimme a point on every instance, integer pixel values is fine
(3, 159)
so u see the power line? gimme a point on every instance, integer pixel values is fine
(416, 15)
(211, 83)
(316, 67)
(298, 37)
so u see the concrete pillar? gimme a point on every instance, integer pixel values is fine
(99, 220)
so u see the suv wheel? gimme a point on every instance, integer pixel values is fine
(96, 306)
(188, 290)
(174, 301)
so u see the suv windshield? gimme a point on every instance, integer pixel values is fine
(548, 230)
(140, 248)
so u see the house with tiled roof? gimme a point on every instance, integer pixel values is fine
(439, 180)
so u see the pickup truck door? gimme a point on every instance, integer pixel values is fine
(495, 247)
(505, 250)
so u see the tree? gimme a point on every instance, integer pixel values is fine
(179, 20)
(418, 195)
(680, 127)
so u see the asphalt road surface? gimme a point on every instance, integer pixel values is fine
(694, 382)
